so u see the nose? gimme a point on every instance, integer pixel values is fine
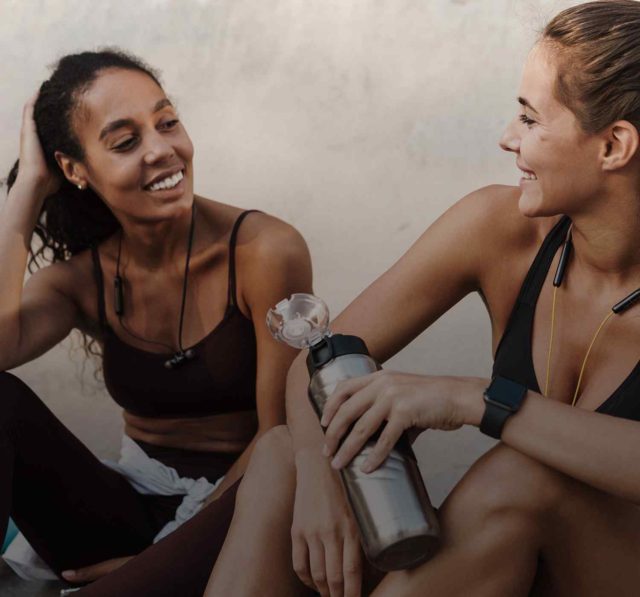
(510, 140)
(157, 148)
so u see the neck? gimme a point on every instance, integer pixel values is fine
(606, 239)
(157, 245)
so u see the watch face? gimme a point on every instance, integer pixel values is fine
(506, 392)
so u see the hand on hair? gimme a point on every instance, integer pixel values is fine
(33, 171)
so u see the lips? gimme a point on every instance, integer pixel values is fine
(527, 174)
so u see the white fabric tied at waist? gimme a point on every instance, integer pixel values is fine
(147, 476)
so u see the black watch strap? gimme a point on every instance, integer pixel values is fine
(502, 398)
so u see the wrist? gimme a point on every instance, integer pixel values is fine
(28, 190)
(470, 398)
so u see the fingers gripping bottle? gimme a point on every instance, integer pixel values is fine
(398, 526)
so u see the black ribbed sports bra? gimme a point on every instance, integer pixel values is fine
(514, 358)
(221, 379)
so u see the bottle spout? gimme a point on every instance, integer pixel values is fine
(299, 321)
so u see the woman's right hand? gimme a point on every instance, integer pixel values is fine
(326, 548)
(33, 173)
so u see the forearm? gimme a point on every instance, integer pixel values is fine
(306, 433)
(18, 217)
(597, 449)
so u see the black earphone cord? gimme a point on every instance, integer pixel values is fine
(118, 285)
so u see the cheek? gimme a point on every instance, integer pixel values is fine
(185, 147)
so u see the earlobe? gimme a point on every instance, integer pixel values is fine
(70, 169)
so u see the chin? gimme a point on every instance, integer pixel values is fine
(532, 205)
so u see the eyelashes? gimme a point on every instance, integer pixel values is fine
(526, 120)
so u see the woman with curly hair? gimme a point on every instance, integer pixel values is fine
(171, 289)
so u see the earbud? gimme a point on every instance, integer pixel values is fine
(562, 264)
(179, 358)
(118, 296)
(626, 302)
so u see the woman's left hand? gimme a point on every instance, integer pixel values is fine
(402, 400)
(95, 571)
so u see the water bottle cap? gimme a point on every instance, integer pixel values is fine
(299, 321)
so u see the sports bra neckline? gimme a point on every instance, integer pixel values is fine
(231, 308)
(230, 311)
(528, 296)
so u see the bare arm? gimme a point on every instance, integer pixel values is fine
(280, 266)
(443, 266)
(36, 318)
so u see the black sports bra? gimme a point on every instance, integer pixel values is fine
(220, 379)
(514, 358)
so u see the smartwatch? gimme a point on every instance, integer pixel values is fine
(502, 398)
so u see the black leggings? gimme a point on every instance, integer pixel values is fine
(75, 511)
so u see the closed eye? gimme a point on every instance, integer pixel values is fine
(524, 118)
(169, 124)
(126, 144)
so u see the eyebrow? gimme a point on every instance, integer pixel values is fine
(526, 104)
(122, 122)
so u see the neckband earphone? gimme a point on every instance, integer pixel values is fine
(618, 308)
(181, 355)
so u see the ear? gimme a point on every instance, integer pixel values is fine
(72, 169)
(621, 145)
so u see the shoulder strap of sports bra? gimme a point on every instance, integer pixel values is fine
(97, 272)
(232, 299)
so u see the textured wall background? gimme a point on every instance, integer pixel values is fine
(359, 121)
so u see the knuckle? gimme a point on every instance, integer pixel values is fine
(351, 568)
(336, 583)
(319, 578)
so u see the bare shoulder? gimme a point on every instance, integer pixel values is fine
(506, 244)
(493, 213)
(272, 258)
(265, 238)
(494, 227)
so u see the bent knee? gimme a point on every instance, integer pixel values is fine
(273, 451)
(505, 480)
(276, 440)
(271, 468)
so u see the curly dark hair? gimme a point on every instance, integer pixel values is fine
(71, 220)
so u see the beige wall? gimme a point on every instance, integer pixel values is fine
(359, 121)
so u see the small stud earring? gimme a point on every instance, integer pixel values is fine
(80, 187)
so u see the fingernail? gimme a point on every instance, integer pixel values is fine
(69, 574)
(336, 463)
(366, 467)
(323, 421)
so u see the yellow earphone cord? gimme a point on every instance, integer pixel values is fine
(584, 362)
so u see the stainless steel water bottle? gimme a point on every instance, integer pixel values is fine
(398, 526)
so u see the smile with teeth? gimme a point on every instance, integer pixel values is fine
(167, 183)
(529, 175)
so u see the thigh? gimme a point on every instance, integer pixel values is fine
(71, 508)
(592, 547)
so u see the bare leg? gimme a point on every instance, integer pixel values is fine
(508, 514)
(256, 557)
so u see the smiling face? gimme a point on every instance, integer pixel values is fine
(138, 156)
(560, 163)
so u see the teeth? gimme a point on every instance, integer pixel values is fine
(167, 183)
(529, 175)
